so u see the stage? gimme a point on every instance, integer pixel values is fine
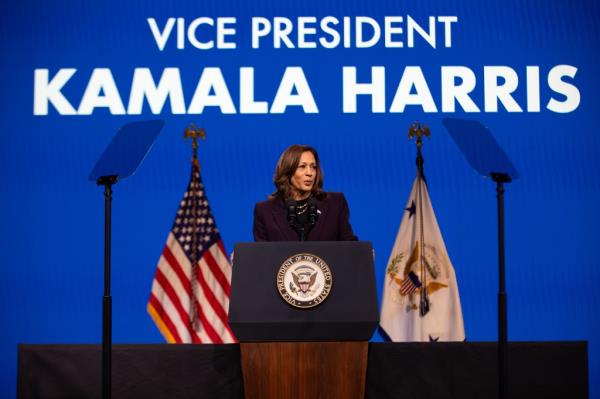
(412, 370)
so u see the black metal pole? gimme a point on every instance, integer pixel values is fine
(500, 179)
(107, 181)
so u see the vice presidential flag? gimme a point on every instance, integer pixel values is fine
(189, 301)
(420, 298)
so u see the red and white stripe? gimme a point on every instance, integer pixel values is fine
(170, 301)
(407, 287)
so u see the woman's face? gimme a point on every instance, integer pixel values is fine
(305, 176)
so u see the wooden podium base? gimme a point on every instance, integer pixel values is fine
(304, 370)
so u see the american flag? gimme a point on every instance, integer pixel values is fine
(410, 284)
(189, 301)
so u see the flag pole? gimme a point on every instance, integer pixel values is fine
(418, 131)
(194, 133)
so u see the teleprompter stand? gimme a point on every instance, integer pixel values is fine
(489, 160)
(291, 352)
(119, 160)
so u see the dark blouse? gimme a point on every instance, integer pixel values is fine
(302, 223)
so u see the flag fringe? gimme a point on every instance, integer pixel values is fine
(160, 324)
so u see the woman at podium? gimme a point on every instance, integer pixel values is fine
(299, 209)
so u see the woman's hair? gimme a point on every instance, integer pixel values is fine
(286, 168)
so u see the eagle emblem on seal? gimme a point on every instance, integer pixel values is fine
(304, 280)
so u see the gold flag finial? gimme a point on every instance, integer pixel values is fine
(194, 133)
(418, 131)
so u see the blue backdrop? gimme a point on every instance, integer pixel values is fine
(52, 217)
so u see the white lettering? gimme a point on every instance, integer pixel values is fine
(294, 78)
(376, 89)
(335, 36)
(360, 21)
(45, 91)
(223, 30)
(452, 92)
(143, 86)
(260, 28)
(559, 86)
(247, 103)
(533, 89)
(161, 37)
(101, 91)
(191, 33)
(495, 91)
(211, 80)
(412, 26)
(304, 30)
(390, 29)
(282, 27)
(413, 77)
(447, 21)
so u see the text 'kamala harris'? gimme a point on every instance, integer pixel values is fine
(510, 88)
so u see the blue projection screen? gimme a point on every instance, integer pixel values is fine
(348, 78)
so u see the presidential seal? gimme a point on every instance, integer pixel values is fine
(304, 280)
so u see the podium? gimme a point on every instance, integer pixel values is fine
(307, 341)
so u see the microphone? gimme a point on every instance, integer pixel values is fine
(291, 212)
(313, 214)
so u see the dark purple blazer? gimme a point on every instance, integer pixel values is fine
(333, 223)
